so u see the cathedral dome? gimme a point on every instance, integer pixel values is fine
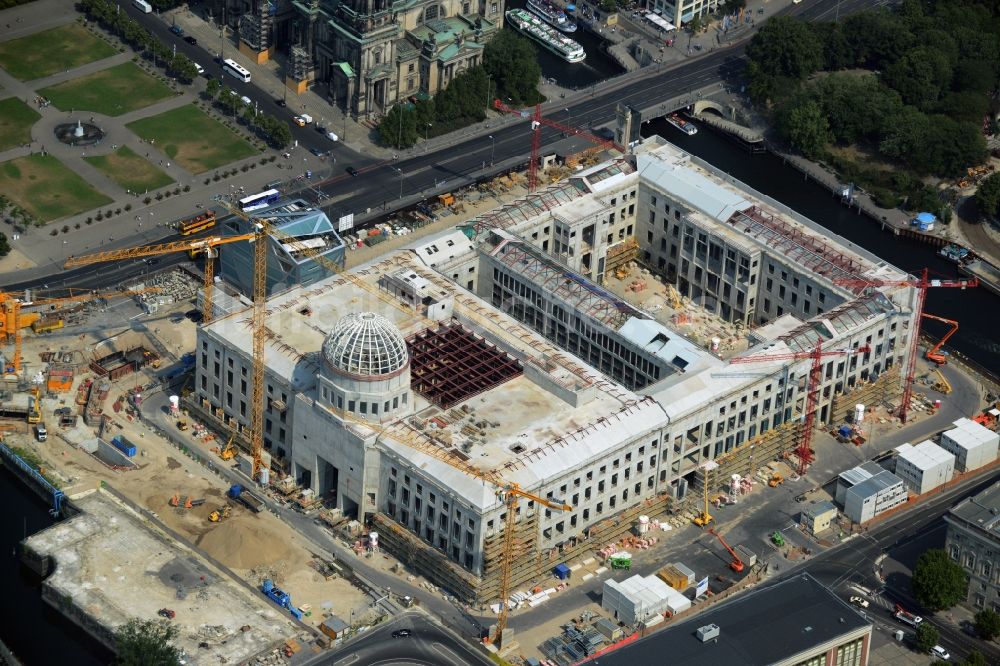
(365, 344)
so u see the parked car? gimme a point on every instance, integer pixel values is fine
(332, 136)
(191, 40)
(940, 653)
(177, 30)
(401, 633)
(859, 601)
(351, 170)
(318, 152)
(280, 102)
(298, 120)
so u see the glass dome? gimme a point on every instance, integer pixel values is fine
(367, 345)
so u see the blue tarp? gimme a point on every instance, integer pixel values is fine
(926, 217)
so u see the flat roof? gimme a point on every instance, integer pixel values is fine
(876, 484)
(799, 613)
(925, 455)
(559, 414)
(982, 510)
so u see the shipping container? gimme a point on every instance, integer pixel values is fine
(123, 445)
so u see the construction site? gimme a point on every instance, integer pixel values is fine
(465, 410)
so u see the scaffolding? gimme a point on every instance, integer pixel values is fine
(256, 27)
(450, 364)
(747, 458)
(797, 245)
(300, 63)
(527, 208)
(882, 391)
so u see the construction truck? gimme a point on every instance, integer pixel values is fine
(35, 407)
(219, 514)
(246, 498)
(907, 617)
(621, 561)
(775, 480)
(778, 539)
(280, 597)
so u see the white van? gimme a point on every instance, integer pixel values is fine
(332, 136)
(246, 100)
(198, 68)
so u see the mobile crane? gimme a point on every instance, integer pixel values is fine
(736, 564)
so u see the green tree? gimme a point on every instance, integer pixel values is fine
(695, 25)
(988, 195)
(877, 38)
(938, 582)
(903, 134)
(212, 88)
(920, 77)
(949, 147)
(146, 643)
(806, 128)
(4, 245)
(276, 130)
(987, 623)
(926, 636)
(784, 48)
(512, 62)
(183, 68)
(398, 127)
(975, 658)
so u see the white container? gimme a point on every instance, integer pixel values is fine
(265, 476)
(859, 413)
(175, 403)
(643, 524)
(373, 539)
(716, 343)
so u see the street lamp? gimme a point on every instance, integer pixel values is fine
(493, 148)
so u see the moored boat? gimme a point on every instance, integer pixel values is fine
(533, 27)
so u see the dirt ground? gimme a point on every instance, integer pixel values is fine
(247, 543)
(15, 260)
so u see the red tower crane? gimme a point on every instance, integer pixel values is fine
(536, 125)
(804, 450)
(922, 284)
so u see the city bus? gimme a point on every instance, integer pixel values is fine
(143, 6)
(195, 224)
(260, 200)
(233, 68)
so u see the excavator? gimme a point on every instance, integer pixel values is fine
(228, 452)
(934, 353)
(220, 514)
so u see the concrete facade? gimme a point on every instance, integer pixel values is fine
(972, 444)
(612, 407)
(973, 540)
(924, 467)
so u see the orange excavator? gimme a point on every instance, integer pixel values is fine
(737, 564)
(934, 353)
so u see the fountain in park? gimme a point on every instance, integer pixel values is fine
(79, 133)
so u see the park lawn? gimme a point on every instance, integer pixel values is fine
(16, 119)
(192, 139)
(112, 92)
(57, 50)
(48, 190)
(130, 171)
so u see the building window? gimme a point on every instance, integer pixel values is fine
(410, 67)
(431, 13)
(493, 8)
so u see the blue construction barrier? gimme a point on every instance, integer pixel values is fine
(25, 466)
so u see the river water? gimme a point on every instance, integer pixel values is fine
(34, 631)
(597, 67)
(974, 309)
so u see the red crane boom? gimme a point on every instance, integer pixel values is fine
(934, 353)
(536, 125)
(737, 564)
(922, 284)
(804, 450)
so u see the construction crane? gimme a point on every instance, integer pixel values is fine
(704, 518)
(736, 564)
(537, 120)
(193, 246)
(934, 353)
(14, 302)
(942, 385)
(921, 284)
(804, 450)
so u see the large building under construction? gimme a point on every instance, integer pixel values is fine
(405, 392)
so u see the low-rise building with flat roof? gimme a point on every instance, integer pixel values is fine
(794, 621)
(924, 467)
(818, 517)
(868, 490)
(973, 444)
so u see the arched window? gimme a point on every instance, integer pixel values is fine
(431, 13)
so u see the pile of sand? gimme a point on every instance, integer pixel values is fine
(242, 542)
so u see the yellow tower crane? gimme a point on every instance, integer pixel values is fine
(193, 246)
(705, 518)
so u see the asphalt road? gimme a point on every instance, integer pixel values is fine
(430, 644)
(850, 568)
(382, 184)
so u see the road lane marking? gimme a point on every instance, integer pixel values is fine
(446, 653)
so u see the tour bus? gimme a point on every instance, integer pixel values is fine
(260, 200)
(143, 6)
(233, 68)
(195, 224)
